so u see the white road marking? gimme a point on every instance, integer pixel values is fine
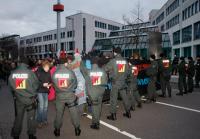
(179, 107)
(116, 129)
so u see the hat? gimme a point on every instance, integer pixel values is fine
(153, 57)
(117, 50)
(62, 60)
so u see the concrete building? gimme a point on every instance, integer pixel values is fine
(80, 32)
(181, 20)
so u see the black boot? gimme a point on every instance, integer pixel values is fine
(179, 94)
(112, 117)
(57, 132)
(32, 137)
(16, 137)
(139, 105)
(132, 108)
(127, 114)
(77, 131)
(163, 95)
(94, 126)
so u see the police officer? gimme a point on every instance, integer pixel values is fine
(65, 82)
(197, 72)
(132, 85)
(190, 74)
(118, 72)
(96, 87)
(164, 70)
(182, 77)
(152, 73)
(24, 83)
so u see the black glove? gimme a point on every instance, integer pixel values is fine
(89, 101)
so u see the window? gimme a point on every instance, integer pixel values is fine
(172, 22)
(100, 25)
(160, 18)
(62, 35)
(197, 31)
(172, 7)
(187, 34)
(84, 35)
(70, 34)
(176, 37)
(100, 34)
(190, 10)
(162, 28)
(112, 27)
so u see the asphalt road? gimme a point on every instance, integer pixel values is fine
(179, 120)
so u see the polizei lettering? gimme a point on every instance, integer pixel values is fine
(20, 76)
(60, 76)
(99, 74)
(121, 62)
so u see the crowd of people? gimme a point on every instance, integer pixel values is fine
(73, 81)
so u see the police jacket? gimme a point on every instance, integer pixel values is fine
(152, 71)
(191, 69)
(164, 68)
(132, 78)
(97, 80)
(197, 68)
(118, 70)
(24, 83)
(182, 69)
(64, 81)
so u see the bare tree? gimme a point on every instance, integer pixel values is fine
(135, 18)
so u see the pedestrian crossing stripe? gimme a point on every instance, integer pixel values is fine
(63, 83)
(20, 83)
(166, 63)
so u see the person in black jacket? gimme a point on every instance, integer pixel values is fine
(44, 78)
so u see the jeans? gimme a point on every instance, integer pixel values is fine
(42, 107)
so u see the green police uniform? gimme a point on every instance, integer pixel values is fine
(182, 78)
(118, 72)
(190, 76)
(132, 86)
(24, 83)
(96, 87)
(164, 70)
(152, 73)
(65, 82)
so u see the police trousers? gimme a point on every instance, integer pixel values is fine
(114, 98)
(134, 97)
(165, 85)
(182, 84)
(71, 103)
(31, 120)
(151, 88)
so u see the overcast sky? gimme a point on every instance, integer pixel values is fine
(25, 17)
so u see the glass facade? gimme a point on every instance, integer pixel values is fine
(176, 37)
(197, 50)
(177, 52)
(133, 40)
(187, 51)
(197, 31)
(172, 7)
(172, 22)
(191, 10)
(187, 34)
